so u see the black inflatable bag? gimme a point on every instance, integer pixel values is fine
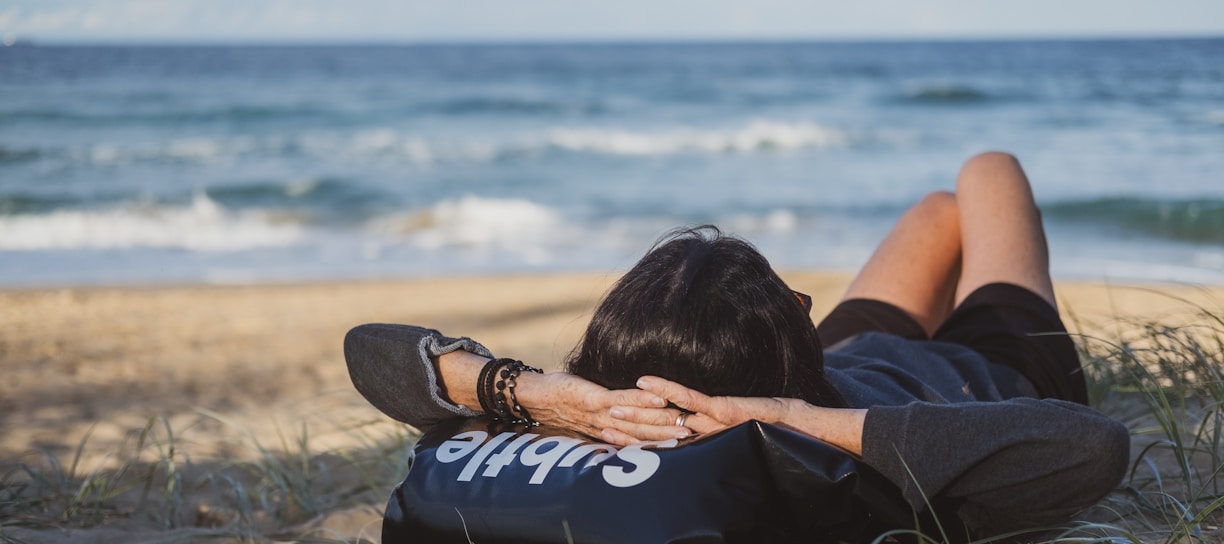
(492, 483)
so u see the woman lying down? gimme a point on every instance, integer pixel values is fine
(945, 367)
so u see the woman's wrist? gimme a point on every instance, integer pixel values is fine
(459, 372)
(789, 408)
(460, 375)
(536, 392)
(841, 427)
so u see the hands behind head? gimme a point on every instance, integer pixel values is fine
(710, 414)
(629, 416)
(564, 400)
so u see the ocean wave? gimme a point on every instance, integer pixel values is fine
(515, 230)
(504, 105)
(13, 204)
(203, 226)
(950, 94)
(259, 192)
(775, 221)
(477, 223)
(205, 150)
(327, 197)
(390, 143)
(754, 137)
(1191, 220)
(177, 150)
(235, 114)
(9, 155)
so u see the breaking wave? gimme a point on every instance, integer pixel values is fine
(1190, 220)
(754, 137)
(203, 225)
(472, 221)
(949, 94)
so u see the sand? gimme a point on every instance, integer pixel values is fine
(226, 364)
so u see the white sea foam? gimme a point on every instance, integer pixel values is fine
(412, 148)
(201, 148)
(1213, 260)
(201, 226)
(516, 225)
(376, 140)
(756, 136)
(752, 137)
(776, 221)
(185, 149)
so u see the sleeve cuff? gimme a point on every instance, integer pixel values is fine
(883, 443)
(434, 346)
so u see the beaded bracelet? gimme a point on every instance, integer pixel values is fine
(511, 374)
(493, 392)
(484, 385)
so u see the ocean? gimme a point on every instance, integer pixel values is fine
(240, 164)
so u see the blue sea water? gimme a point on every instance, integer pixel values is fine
(123, 165)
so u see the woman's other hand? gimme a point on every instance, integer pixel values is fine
(558, 399)
(567, 401)
(842, 427)
(709, 413)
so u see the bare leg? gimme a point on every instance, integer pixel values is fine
(915, 268)
(1001, 234)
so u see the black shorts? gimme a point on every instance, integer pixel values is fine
(1006, 323)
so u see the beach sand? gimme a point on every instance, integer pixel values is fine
(229, 365)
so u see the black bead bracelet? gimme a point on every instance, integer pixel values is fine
(496, 385)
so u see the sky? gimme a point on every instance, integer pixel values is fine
(194, 21)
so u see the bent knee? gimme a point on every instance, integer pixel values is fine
(993, 159)
(993, 174)
(941, 199)
(991, 165)
(938, 205)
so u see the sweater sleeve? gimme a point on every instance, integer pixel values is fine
(1017, 464)
(391, 366)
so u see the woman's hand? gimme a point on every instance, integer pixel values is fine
(567, 401)
(842, 427)
(559, 399)
(710, 413)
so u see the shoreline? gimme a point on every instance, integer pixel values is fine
(784, 271)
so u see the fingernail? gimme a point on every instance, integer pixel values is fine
(642, 383)
(683, 433)
(617, 413)
(605, 436)
(658, 402)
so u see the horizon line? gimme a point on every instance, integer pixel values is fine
(10, 40)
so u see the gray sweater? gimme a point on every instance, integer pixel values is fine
(941, 421)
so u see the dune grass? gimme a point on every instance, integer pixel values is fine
(282, 491)
(1166, 382)
(1164, 378)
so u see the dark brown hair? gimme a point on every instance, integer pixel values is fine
(706, 310)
